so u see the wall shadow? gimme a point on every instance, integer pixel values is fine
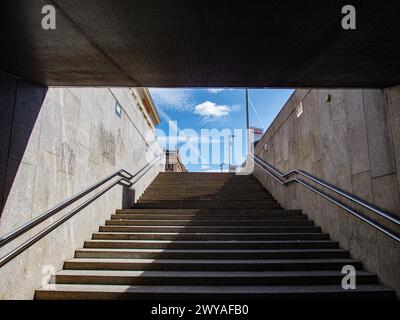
(20, 104)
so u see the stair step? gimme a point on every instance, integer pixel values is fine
(190, 192)
(211, 254)
(204, 179)
(225, 190)
(208, 236)
(258, 191)
(207, 204)
(240, 189)
(226, 212)
(367, 291)
(129, 222)
(194, 218)
(209, 265)
(213, 278)
(223, 184)
(212, 229)
(194, 245)
(179, 197)
(165, 216)
(228, 185)
(207, 187)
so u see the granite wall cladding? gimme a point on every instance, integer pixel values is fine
(73, 139)
(351, 139)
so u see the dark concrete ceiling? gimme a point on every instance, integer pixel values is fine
(191, 43)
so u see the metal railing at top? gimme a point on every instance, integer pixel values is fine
(124, 178)
(283, 179)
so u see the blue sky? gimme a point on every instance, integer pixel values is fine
(187, 113)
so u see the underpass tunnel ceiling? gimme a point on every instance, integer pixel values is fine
(202, 43)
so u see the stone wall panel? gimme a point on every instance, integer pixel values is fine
(76, 140)
(352, 142)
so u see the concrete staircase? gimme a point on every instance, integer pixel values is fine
(200, 235)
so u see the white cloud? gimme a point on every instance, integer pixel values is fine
(177, 99)
(215, 90)
(218, 90)
(212, 110)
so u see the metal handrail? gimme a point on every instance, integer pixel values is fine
(283, 180)
(125, 179)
